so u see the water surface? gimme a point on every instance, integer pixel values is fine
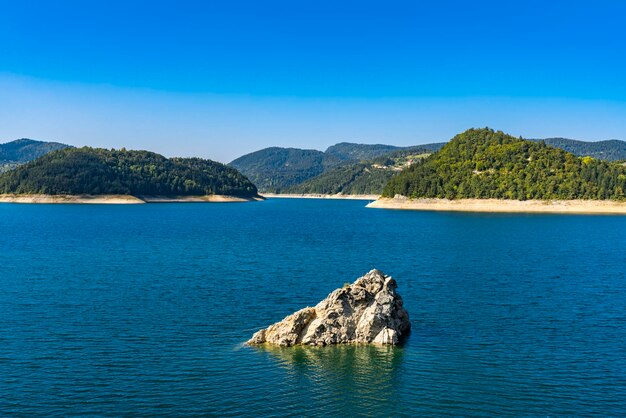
(142, 310)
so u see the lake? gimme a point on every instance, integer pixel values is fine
(143, 309)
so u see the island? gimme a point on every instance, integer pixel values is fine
(95, 175)
(490, 171)
(366, 311)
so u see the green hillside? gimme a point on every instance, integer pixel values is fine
(20, 151)
(280, 170)
(275, 169)
(98, 171)
(367, 177)
(359, 152)
(611, 150)
(482, 163)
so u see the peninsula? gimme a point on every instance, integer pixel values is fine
(90, 175)
(487, 171)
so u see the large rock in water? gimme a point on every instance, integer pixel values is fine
(367, 311)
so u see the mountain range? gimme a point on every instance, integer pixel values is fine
(609, 150)
(344, 168)
(281, 170)
(349, 168)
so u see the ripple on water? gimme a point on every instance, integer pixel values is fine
(116, 310)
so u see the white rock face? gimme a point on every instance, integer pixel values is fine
(367, 311)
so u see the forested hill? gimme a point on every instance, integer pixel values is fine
(611, 150)
(359, 152)
(23, 150)
(281, 169)
(482, 163)
(78, 171)
(366, 177)
(275, 169)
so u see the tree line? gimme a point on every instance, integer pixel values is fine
(100, 171)
(483, 163)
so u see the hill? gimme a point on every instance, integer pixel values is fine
(611, 150)
(275, 169)
(359, 152)
(279, 170)
(482, 163)
(77, 171)
(368, 177)
(23, 150)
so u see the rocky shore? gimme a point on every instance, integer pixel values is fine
(366, 311)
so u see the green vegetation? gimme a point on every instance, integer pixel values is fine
(78, 171)
(20, 151)
(481, 163)
(612, 150)
(360, 152)
(280, 170)
(357, 178)
(361, 178)
(275, 169)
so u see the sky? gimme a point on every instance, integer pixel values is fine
(218, 79)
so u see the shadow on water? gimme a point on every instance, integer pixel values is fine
(365, 376)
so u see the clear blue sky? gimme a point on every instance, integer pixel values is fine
(219, 79)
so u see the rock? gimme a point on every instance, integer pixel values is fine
(367, 311)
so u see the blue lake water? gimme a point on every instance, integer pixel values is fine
(142, 310)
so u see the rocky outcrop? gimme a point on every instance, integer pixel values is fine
(366, 311)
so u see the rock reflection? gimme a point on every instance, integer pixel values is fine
(352, 373)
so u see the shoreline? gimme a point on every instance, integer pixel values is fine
(216, 198)
(119, 199)
(589, 207)
(320, 196)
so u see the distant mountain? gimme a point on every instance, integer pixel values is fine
(359, 152)
(23, 150)
(77, 171)
(366, 177)
(363, 152)
(275, 169)
(611, 150)
(482, 163)
(281, 169)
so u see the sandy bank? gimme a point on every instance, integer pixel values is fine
(503, 206)
(198, 199)
(92, 199)
(322, 196)
(118, 199)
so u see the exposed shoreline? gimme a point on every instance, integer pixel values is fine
(321, 196)
(503, 206)
(216, 198)
(119, 199)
